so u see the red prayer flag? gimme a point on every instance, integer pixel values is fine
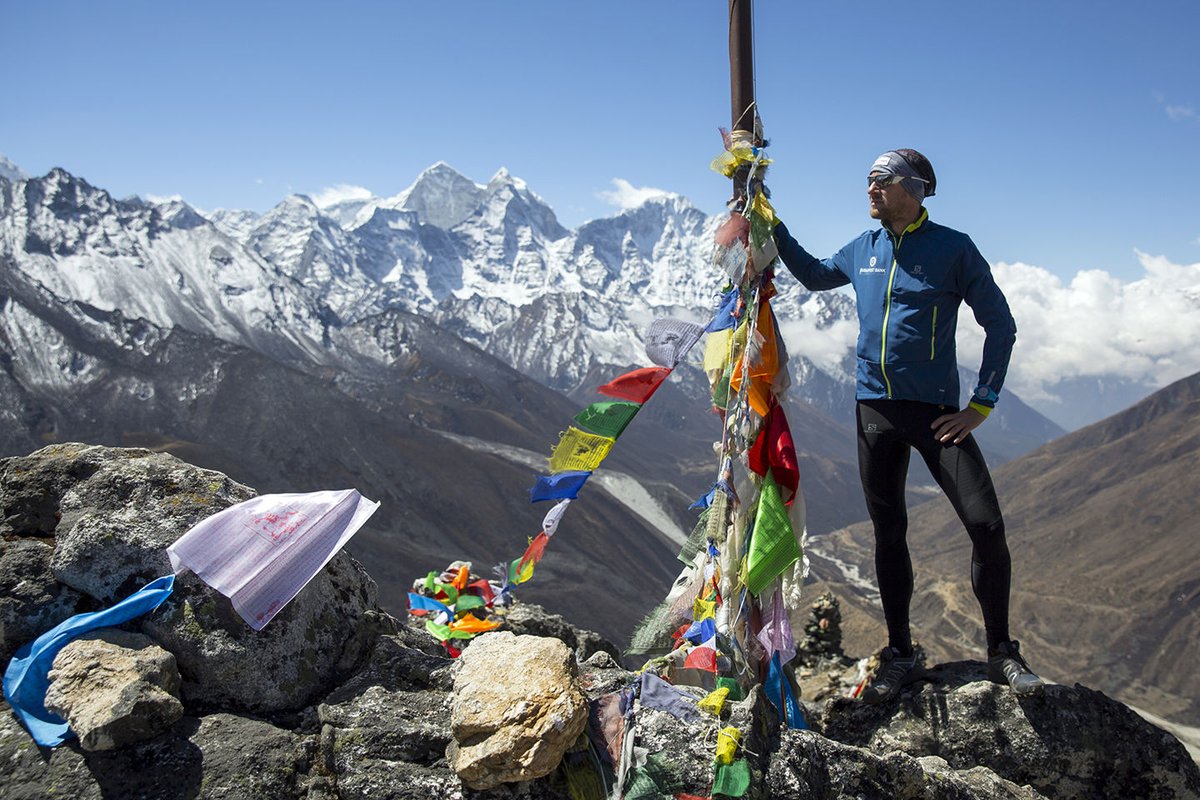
(703, 657)
(775, 449)
(535, 550)
(636, 386)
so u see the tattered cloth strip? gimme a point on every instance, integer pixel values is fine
(579, 451)
(779, 691)
(773, 546)
(27, 677)
(668, 341)
(563, 486)
(775, 450)
(262, 552)
(636, 386)
(658, 694)
(608, 418)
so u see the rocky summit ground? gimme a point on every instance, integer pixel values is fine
(336, 699)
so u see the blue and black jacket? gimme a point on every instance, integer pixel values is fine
(908, 290)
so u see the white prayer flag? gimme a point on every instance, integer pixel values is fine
(669, 340)
(262, 552)
(554, 516)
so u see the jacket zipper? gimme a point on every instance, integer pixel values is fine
(887, 311)
(933, 335)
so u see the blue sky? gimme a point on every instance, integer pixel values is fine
(1064, 134)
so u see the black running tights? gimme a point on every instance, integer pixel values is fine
(887, 430)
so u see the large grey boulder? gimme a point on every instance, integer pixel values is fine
(114, 688)
(1068, 742)
(517, 708)
(112, 512)
(32, 601)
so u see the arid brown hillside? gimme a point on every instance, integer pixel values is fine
(1103, 528)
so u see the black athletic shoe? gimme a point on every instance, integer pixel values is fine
(1006, 666)
(894, 673)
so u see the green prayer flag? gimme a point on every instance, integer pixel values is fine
(735, 688)
(607, 418)
(732, 780)
(468, 601)
(773, 545)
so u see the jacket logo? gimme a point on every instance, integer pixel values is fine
(873, 260)
(918, 270)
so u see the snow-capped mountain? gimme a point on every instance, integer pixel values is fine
(488, 263)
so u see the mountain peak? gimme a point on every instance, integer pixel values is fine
(10, 171)
(441, 196)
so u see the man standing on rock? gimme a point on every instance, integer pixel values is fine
(909, 277)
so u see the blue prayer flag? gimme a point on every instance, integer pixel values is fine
(561, 486)
(27, 677)
(724, 317)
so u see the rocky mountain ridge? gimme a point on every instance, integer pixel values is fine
(335, 700)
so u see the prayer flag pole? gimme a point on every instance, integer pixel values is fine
(741, 84)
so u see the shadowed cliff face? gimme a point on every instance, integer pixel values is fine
(368, 715)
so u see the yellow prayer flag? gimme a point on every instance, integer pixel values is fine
(727, 742)
(716, 350)
(763, 208)
(579, 451)
(703, 609)
(714, 701)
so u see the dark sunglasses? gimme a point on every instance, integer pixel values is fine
(879, 180)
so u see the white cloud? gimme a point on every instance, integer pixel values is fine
(626, 195)
(1175, 112)
(343, 192)
(1178, 113)
(1096, 326)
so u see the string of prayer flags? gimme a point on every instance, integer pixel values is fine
(561, 486)
(668, 341)
(608, 418)
(773, 546)
(262, 552)
(28, 675)
(775, 450)
(579, 451)
(636, 386)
